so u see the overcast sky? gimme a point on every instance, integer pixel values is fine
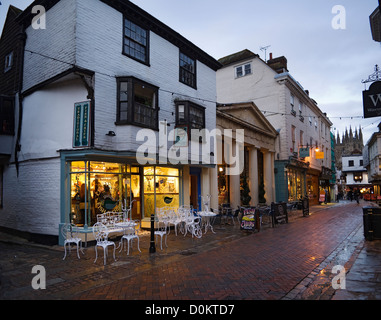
(327, 61)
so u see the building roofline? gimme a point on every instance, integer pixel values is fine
(144, 19)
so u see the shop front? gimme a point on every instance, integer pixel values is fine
(325, 192)
(313, 189)
(94, 183)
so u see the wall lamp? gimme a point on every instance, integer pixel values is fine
(111, 134)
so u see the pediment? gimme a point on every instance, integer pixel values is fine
(246, 115)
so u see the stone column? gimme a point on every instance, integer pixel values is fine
(253, 175)
(268, 178)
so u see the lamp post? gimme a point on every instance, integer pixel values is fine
(152, 248)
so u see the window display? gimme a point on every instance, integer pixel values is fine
(161, 188)
(98, 187)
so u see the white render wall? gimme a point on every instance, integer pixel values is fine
(33, 203)
(57, 40)
(271, 93)
(99, 47)
(47, 124)
(89, 34)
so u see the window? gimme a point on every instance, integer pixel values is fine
(135, 42)
(357, 177)
(301, 137)
(292, 100)
(243, 70)
(351, 163)
(187, 71)
(190, 114)
(137, 103)
(8, 62)
(7, 116)
(293, 138)
(361, 163)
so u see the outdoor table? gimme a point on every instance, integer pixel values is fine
(207, 215)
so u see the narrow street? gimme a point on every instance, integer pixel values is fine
(291, 261)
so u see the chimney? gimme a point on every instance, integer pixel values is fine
(278, 64)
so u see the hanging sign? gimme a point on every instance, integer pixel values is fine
(319, 155)
(304, 152)
(81, 126)
(372, 100)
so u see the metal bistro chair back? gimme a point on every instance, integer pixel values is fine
(130, 234)
(100, 232)
(193, 224)
(206, 203)
(70, 234)
(162, 227)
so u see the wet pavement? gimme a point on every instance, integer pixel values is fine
(293, 261)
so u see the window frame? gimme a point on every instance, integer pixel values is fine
(187, 107)
(182, 69)
(147, 47)
(8, 62)
(131, 81)
(244, 70)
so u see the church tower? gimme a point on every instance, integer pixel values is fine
(350, 142)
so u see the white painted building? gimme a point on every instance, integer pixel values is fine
(356, 175)
(302, 126)
(130, 72)
(372, 160)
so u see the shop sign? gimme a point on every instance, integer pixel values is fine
(319, 155)
(81, 124)
(304, 152)
(372, 100)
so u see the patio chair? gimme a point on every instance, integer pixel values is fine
(129, 235)
(100, 232)
(174, 218)
(69, 233)
(193, 225)
(162, 230)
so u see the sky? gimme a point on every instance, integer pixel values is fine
(329, 50)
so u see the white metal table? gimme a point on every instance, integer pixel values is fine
(207, 215)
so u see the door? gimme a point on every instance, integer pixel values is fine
(195, 188)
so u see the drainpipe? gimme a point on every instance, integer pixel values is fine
(22, 40)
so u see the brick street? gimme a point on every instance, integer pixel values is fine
(291, 262)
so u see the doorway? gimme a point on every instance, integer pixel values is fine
(195, 188)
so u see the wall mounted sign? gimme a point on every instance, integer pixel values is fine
(372, 100)
(81, 126)
(319, 155)
(304, 152)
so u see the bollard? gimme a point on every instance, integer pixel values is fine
(152, 248)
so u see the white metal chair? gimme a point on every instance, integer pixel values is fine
(193, 225)
(69, 233)
(100, 232)
(162, 228)
(129, 235)
(174, 218)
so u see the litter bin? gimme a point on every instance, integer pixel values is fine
(372, 223)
